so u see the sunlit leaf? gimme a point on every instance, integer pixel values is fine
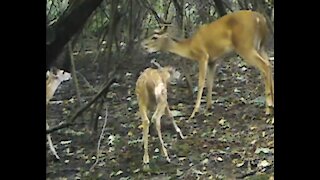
(198, 172)
(264, 150)
(236, 90)
(136, 170)
(182, 158)
(205, 161)
(253, 128)
(253, 142)
(240, 164)
(118, 173)
(65, 142)
(219, 159)
(263, 163)
(176, 113)
(179, 173)
(222, 122)
(208, 114)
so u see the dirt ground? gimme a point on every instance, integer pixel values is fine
(235, 140)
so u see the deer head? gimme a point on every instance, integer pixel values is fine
(174, 75)
(157, 41)
(54, 78)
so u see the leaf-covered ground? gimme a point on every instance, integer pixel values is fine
(235, 140)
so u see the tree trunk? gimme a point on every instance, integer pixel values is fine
(220, 7)
(68, 25)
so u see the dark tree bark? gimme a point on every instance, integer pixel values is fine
(220, 7)
(179, 6)
(68, 25)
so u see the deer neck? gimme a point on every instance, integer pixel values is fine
(52, 85)
(180, 47)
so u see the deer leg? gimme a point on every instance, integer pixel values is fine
(203, 64)
(270, 99)
(255, 59)
(212, 67)
(51, 144)
(157, 118)
(168, 112)
(145, 125)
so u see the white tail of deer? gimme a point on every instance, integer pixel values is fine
(54, 79)
(244, 32)
(151, 91)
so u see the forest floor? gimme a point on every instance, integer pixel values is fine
(235, 140)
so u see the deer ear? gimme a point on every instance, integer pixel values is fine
(54, 70)
(164, 28)
(160, 31)
(155, 36)
(47, 74)
(157, 31)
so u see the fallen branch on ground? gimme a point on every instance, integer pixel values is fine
(101, 137)
(85, 107)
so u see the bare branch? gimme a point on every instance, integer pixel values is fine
(147, 5)
(74, 75)
(101, 137)
(153, 61)
(85, 107)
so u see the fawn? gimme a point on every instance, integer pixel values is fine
(151, 91)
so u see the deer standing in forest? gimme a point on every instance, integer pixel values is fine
(244, 32)
(151, 91)
(54, 79)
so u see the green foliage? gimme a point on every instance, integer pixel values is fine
(98, 22)
(56, 8)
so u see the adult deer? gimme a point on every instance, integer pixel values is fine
(243, 32)
(151, 91)
(54, 78)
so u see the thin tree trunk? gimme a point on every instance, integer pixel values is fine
(180, 12)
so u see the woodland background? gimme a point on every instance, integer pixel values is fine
(98, 41)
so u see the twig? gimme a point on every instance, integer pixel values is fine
(95, 119)
(247, 174)
(74, 75)
(82, 109)
(64, 125)
(87, 82)
(147, 5)
(101, 137)
(227, 5)
(153, 61)
(54, 152)
(100, 42)
(252, 172)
